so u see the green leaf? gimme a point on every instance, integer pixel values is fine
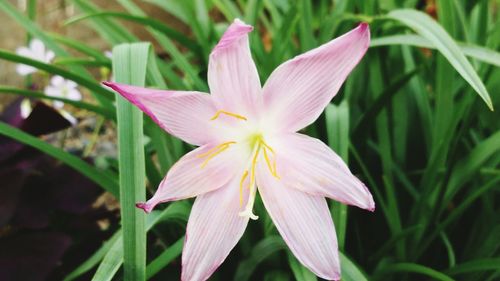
(80, 47)
(382, 100)
(417, 268)
(337, 129)
(350, 271)
(106, 112)
(102, 179)
(260, 251)
(477, 52)
(81, 80)
(475, 266)
(129, 67)
(155, 24)
(432, 31)
(95, 258)
(300, 272)
(37, 32)
(171, 253)
(114, 256)
(475, 160)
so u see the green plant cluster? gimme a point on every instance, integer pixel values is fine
(415, 122)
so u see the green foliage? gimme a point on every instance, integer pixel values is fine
(407, 120)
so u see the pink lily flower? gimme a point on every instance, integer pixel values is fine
(248, 141)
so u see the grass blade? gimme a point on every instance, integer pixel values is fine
(129, 67)
(431, 30)
(106, 112)
(477, 52)
(337, 128)
(102, 179)
(81, 80)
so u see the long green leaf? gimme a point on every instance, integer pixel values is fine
(337, 128)
(103, 179)
(165, 258)
(106, 112)
(431, 30)
(477, 52)
(129, 67)
(83, 81)
(114, 256)
(417, 268)
(350, 271)
(155, 24)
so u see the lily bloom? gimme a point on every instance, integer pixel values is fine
(248, 142)
(36, 51)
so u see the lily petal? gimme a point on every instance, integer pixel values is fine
(193, 174)
(304, 222)
(313, 167)
(232, 75)
(183, 114)
(299, 90)
(213, 230)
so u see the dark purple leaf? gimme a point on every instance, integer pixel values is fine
(31, 256)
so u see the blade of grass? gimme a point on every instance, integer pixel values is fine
(129, 67)
(430, 29)
(106, 112)
(260, 251)
(474, 51)
(417, 268)
(350, 271)
(35, 31)
(474, 266)
(113, 259)
(107, 182)
(155, 24)
(337, 128)
(165, 258)
(300, 272)
(98, 255)
(81, 80)
(179, 58)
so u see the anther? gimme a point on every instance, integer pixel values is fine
(219, 112)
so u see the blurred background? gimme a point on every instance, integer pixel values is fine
(414, 121)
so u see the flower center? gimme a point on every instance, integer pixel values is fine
(258, 146)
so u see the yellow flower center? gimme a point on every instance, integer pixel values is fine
(258, 146)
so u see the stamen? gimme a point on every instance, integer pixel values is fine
(245, 174)
(273, 168)
(214, 152)
(210, 151)
(219, 112)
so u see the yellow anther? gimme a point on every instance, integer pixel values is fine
(219, 112)
(213, 149)
(272, 167)
(242, 181)
(214, 152)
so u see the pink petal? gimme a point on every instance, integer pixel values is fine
(298, 90)
(189, 177)
(185, 115)
(304, 222)
(311, 166)
(232, 75)
(213, 230)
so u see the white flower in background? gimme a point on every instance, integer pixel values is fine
(60, 87)
(108, 54)
(26, 108)
(35, 51)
